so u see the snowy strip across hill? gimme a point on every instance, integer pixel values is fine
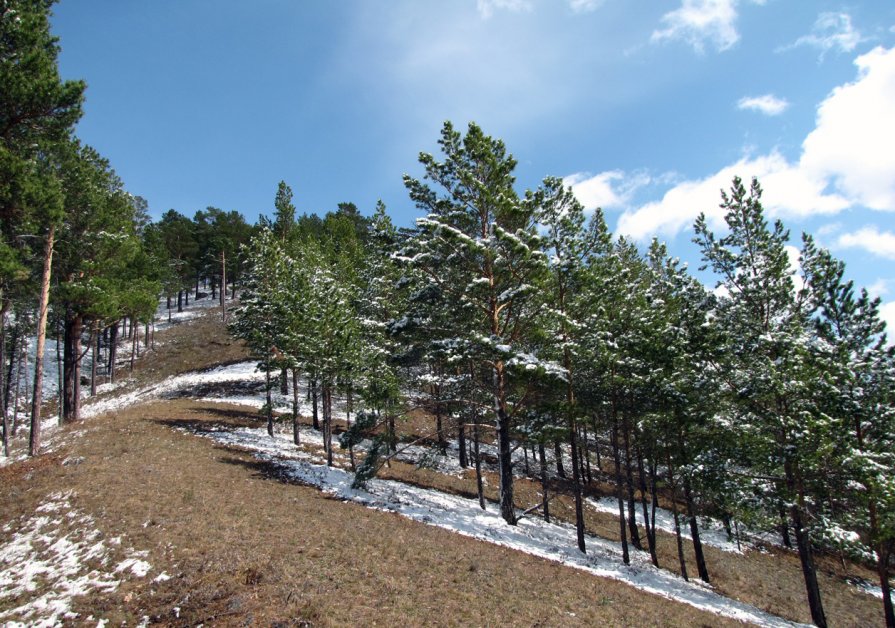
(532, 536)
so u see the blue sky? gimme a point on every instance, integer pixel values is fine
(647, 109)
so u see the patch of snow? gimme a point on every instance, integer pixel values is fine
(43, 567)
(40, 559)
(712, 535)
(136, 566)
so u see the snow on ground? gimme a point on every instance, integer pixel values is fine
(50, 558)
(556, 542)
(711, 534)
(51, 368)
(195, 309)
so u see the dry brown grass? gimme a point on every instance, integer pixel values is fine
(769, 578)
(246, 548)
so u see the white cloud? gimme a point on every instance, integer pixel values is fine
(846, 160)
(887, 313)
(585, 6)
(787, 190)
(699, 21)
(596, 191)
(767, 104)
(881, 243)
(852, 143)
(612, 189)
(832, 31)
(487, 7)
(878, 288)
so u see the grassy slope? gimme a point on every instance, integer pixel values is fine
(244, 547)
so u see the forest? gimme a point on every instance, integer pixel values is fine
(507, 318)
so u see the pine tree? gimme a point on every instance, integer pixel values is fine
(568, 246)
(37, 112)
(284, 217)
(478, 246)
(859, 387)
(260, 318)
(768, 373)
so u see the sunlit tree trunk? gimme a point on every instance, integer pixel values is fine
(43, 309)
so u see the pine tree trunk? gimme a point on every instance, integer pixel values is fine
(71, 367)
(694, 532)
(650, 530)
(545, 502)
(113, 351)
(585, 453)
(620, 491)
(224, 287)
(295, 424)
(576, 487)
(725, 520)
(23, 370)
(461, 444)
(677, 523)
(680, 542)
(349, 404)
(439, 419)
(4, 308)
(314, 416)
(43, 310)
(179, 302)
(269, 407)
(803, 542)
(573, 446)
(504, 449)
(392, 433)
(884, 553)
(478, 459)
(284, 381)
(134, 339)
(13, 363)
(654, 502)
(328, 423)
(784, 528)
(60, 389)
(629, 481)
(94, 342)
(557, 453)
(597, 446)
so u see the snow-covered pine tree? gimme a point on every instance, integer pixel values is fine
(768, 374)
(859, 386)
(568, 246)
(478, 246)
(260, 319)
(679, 347)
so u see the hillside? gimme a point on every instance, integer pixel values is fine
(169, 505)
